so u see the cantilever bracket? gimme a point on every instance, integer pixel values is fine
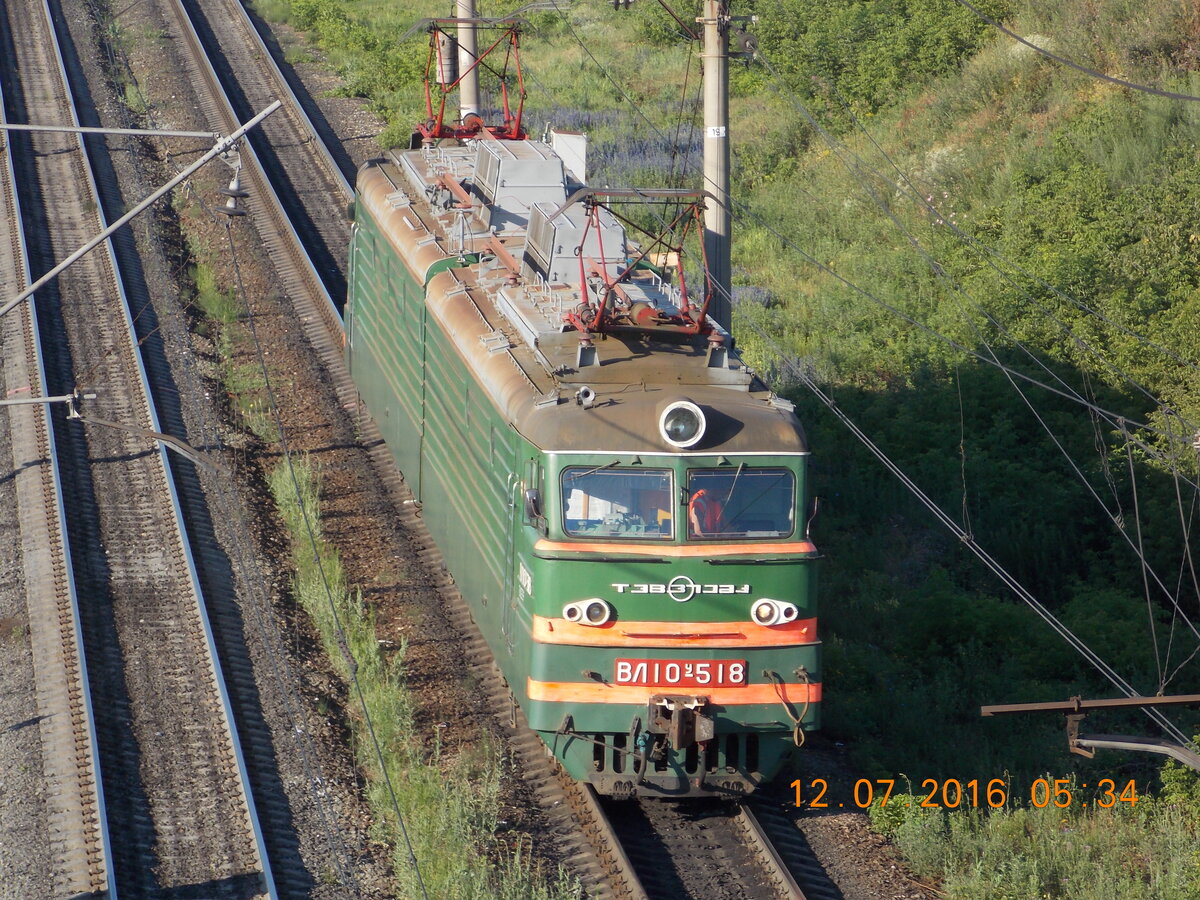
(1076, 709)
(1073, 720)
(1089, 742)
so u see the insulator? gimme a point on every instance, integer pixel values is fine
(231, 208)
(234, 192)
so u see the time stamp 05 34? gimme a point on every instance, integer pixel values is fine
(951, 793)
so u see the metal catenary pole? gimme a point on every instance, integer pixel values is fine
(468, 89)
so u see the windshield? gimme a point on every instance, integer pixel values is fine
(740, 503)
(617, 502)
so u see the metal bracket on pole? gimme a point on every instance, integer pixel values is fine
(232, 157)
(1076, 709)
(72, 401)
(135, 132)
(183, 448)
(221, 147)
(1086, 744)
(1074, 720)
(169, 441)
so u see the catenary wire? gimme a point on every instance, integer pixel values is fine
(839, 148)
(968, 540)
(1091, 73)
(1116, 519)
(956, 290)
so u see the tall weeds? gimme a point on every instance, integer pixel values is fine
(447, 800)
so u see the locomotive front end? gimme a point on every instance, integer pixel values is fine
(674, 646)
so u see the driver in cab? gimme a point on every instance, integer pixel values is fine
(704, 514)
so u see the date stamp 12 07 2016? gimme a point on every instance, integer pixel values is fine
(951, 793)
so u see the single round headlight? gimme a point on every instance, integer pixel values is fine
(764, 612)
(596, 612)
(682, 424)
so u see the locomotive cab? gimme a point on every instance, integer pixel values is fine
(675, 646)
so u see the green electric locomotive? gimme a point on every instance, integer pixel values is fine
(623, 504)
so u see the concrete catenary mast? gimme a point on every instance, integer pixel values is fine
(716, 156)
(468, 89)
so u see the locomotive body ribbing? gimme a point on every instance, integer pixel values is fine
(648, 591)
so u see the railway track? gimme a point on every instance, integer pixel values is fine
(178, 797)
(705, 849)
(312, 192)
(80, 858)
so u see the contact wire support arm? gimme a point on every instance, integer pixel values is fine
(1076, 709)
(221, 146)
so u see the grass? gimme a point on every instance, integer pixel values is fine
(218, 304)
(238, 366)
(1142, 851)
(246, 387)
(447, 797)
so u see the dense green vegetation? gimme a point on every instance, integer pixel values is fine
(448, 799)
(922, 201)
(1079, 210)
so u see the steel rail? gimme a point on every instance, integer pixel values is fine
(146, 402)
(619, 872)
(168, 473)
(622, 867)
(772, 861)
(285, 89)
(67, 668)
(293, 263)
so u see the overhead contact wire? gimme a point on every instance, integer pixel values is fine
(839, 148)
(1137, 522)
(939, 271)
(969, 541)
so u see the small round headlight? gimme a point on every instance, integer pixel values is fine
(596, 612)
(682, 424)
(773, 612)
(764, 613)
(588, 612)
